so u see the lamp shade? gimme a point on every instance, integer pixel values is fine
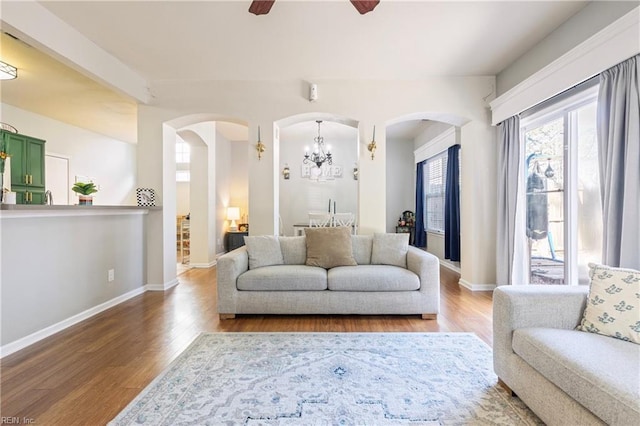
(233, 214)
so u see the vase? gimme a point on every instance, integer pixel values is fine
(85, 200)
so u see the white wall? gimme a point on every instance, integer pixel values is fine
(584, 24)
(111, 162)
(239, 179)
(183, 207)
(224, 166)
(401, 190)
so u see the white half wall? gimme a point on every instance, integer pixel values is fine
(55, 268)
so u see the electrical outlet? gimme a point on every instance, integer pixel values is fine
(111, 275)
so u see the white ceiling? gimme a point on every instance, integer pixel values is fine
(308, 40)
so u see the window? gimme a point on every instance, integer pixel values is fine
(183, 158)
(183, 152)
(563, 209)
(435, 175)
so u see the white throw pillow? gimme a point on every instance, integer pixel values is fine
(263, 250)
(294, 250)
(390, 249)
(613, 305)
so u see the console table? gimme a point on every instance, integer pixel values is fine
(234, 239)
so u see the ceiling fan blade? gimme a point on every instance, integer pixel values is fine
(364, 6)
(261, 7)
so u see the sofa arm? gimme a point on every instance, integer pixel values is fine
(548, 306)
(229, 267)
(427, 267)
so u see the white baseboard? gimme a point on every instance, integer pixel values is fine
(23, 342)
(162, 287)
(204, 265)
(476, 287)
(449, 265)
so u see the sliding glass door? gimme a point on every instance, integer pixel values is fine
(563, 209)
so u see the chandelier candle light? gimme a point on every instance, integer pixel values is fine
(318, 156)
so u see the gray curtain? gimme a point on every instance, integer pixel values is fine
(619, 156)
(508, 181)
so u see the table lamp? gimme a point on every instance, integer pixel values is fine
(233, 214)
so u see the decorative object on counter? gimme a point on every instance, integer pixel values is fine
(233, 214)
(146, 197)
(318, 156)
(286, 172)
(372, 145)
(260, 147)
(84, 191)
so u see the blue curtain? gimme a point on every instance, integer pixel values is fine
(421, 236)
(452, 206)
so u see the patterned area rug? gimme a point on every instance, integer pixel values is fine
(329, 379)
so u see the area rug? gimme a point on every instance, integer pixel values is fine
(329, 379)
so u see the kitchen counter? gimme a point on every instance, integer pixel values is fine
(39, 210)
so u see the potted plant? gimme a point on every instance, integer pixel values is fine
(84, 191)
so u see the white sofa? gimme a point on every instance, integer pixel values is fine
(295, 288)
(566, 376)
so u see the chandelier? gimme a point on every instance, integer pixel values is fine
(318, 156)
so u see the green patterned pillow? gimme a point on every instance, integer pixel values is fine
(613, 305)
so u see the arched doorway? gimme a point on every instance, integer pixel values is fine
(303, 187)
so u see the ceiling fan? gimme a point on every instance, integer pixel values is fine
(262, 7)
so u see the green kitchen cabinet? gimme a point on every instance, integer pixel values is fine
(27, 167)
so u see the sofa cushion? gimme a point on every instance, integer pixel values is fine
(328, 247)
(263, 250)
(361, 245)
(613, 305)
(294, 250)
(283, 278)
(601, 373)
(390, 249)
(372, 278)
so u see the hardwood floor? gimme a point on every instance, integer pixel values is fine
(88, 373)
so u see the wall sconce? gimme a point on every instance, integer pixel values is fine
(286, 172)
(7, 72)
(355, 173)
(313, 92)
(372, 145)
(260, 147)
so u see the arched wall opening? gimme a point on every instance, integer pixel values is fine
(410, 140)
(307, 188)
(218, 180)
